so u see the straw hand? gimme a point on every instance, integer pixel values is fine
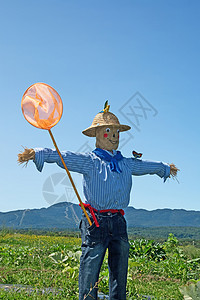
(173, 171)
(25, 156)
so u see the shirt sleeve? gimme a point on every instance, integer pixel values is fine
(75, 162)
(143, 167)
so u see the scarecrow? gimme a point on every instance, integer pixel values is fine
(107, 181)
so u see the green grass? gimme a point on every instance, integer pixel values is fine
(41, 261)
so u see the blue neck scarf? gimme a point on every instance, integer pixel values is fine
(112, 159)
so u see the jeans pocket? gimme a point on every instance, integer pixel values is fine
(122, 228)
(91, 234)
(92, 227)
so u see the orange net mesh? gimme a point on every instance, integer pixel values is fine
(42, 106)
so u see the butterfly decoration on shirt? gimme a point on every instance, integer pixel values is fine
(136, 154)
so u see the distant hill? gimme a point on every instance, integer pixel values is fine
(66, 215)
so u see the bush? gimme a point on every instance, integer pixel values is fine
(147, 249)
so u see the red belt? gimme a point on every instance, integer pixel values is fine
(92, 210)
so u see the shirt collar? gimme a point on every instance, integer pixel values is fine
(112, 154)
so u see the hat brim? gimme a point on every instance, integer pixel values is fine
(91, 131)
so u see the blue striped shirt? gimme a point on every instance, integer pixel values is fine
(102, 188)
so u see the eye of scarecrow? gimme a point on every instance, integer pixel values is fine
(107, 129)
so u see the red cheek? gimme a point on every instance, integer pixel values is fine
(105, 135)
(118, 136)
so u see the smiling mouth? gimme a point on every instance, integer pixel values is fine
(113, 142)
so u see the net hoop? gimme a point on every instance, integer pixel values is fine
(42, 106)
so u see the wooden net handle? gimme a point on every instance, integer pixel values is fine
(70, 177)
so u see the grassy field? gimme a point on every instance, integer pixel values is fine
(42, 262)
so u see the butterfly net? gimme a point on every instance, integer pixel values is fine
(42, 106)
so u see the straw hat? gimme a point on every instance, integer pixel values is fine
(104, 118)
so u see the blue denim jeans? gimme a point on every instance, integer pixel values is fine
(112, 235)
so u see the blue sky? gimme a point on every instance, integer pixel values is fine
(91, 51)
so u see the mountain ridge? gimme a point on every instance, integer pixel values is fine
(67, 215)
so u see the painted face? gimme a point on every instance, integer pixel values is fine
(107, 137)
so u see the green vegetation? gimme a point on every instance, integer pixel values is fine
(161, 233)
(184, 234)
(191, 291)
(157, 269)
